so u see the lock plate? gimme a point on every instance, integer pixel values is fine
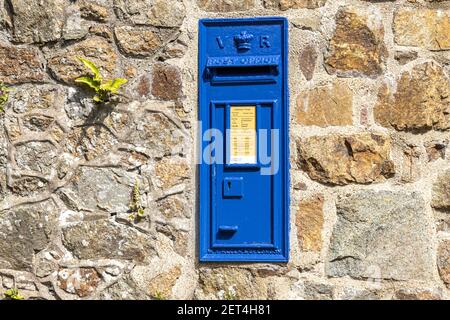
(233, 187)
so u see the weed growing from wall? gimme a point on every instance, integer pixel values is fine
(104, 90)
(137, 211)
(13, 294)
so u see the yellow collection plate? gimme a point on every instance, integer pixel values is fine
(243, 135)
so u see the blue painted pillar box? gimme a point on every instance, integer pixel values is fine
(244, 153)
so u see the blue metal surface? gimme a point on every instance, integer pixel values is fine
(244, 214)
(233, 187)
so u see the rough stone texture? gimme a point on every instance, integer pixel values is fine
(28, 185)
(92, 10)
(294, 4)
(418, 294)
(307, 60)
(89, 142)
(158, 133)
(94, 189)
(324, 106)
(360, 158)
(357, 47)
(173, 206)
(225, 5)
(420, 100)
(309, 223)
(105, 239)
(444, 261)
(65, 66)
(427, 28)
(381, 235)
(38, 123)
(159, 13)
(181, 242)
(403, 57)
(317, 291)
(20, 64)
(5, 19)
(171, 171)
(161, 286)
(119, 123)
(309, 22)
(436, 149)
(42, 98)
(25, 229)
(38, 20)
(443, 223)
(441, 192)
(411, 163)
(144, 86)
(166, 82)
(81, 282)
(123, 290)
(352, 293)
(75, 27)
(140, 42)
(47, 261)
(226, 283)
(36, 156)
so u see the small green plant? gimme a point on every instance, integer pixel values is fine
(159, 296)
(104, 90)
(137, 211)
(4, 96)
(229, 296)
(13, 294)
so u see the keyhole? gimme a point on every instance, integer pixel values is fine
(229, 184)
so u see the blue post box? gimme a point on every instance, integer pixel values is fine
(244, 153)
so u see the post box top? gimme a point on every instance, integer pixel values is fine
(247, 20)
(242, 37)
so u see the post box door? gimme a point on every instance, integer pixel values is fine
(243, 111)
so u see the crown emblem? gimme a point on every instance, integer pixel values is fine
(243, 40)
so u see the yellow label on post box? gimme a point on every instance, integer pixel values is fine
(243, 135)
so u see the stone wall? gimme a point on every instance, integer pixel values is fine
(370, 129)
